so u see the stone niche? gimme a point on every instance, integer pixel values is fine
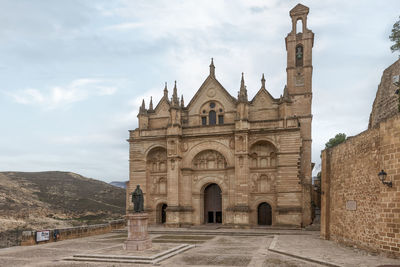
(263, 155)
(157, 160)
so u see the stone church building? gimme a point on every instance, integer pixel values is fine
(230, 160)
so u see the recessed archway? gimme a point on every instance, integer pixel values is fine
(212, 204)
(264, 213)
(161, 216)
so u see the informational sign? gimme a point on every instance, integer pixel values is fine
(351, 205)
(42, 236)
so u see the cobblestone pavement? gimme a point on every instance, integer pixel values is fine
(292, 248)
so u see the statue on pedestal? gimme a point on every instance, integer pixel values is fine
(138, 236)
(137, 199)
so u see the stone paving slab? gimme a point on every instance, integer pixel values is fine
(221, 250)
(327, 252)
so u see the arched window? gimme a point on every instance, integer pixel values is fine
(299, 26)
(220, 119)
(299, 56)
(212, 117)
(203, 120)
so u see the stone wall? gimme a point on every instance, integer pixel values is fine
(356, 208)
(29, 237)
(10, 238)
(386, 101)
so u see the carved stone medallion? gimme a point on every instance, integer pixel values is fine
(211, 92)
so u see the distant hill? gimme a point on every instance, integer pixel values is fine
(119, 184)
(56, 199)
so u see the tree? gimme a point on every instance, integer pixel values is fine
(395, 36)
(338, 139)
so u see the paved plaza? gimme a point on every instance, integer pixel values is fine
(197, 247)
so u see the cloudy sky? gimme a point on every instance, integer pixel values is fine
(73, 73)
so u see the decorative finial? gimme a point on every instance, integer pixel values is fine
(263, 82)
(166, 91)
(142, 108)
(151, 103)
(175, 100)
(212, 68)
(242, 97)
(182, 102)
(242, 86)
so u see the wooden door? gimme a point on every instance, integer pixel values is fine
(264, 214)
(212, 204)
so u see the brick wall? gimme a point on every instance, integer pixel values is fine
(356, 208)
(386, 101)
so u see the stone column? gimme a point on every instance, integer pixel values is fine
(138, 236)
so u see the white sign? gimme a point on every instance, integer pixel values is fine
(42, 236)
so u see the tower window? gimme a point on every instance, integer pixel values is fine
(299, 56)
(212, 117)
(220, 119)
(299, 26)
(203, 120)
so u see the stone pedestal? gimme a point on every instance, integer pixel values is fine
(138, 236)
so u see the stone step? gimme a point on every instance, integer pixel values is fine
(224, 233)
(131, 259)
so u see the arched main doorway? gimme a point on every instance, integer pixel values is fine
(161, 213)
(212, 204)
(264, 214)
(164, 213)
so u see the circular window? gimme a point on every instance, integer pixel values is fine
(220, 110)
(212, 105)
(204, 111)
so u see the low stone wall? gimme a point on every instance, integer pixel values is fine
(10, 238)
(29, 237)
(356, 208)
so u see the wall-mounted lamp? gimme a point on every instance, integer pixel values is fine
(382, 177)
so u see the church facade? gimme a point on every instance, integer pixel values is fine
(235, 161)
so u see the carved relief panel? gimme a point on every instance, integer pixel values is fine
(241, 143)
(263, 155)
(172, 148)
(157, 160)
(159, 185)
(157, 170)
(262, 183)
(209, 159)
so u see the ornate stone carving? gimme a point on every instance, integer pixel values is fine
(211, 92)
(262, 155)
(209, 159)
(159, 185)
(232, 143)
(184, 146)
(172, 147)
(253, 183)
(261, 183)
(240, 144)
(156, 160)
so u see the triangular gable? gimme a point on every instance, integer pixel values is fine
(208, 83)
(263, 95)
(299, 9)
(162, 107)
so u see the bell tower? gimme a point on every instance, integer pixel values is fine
(299, 44)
